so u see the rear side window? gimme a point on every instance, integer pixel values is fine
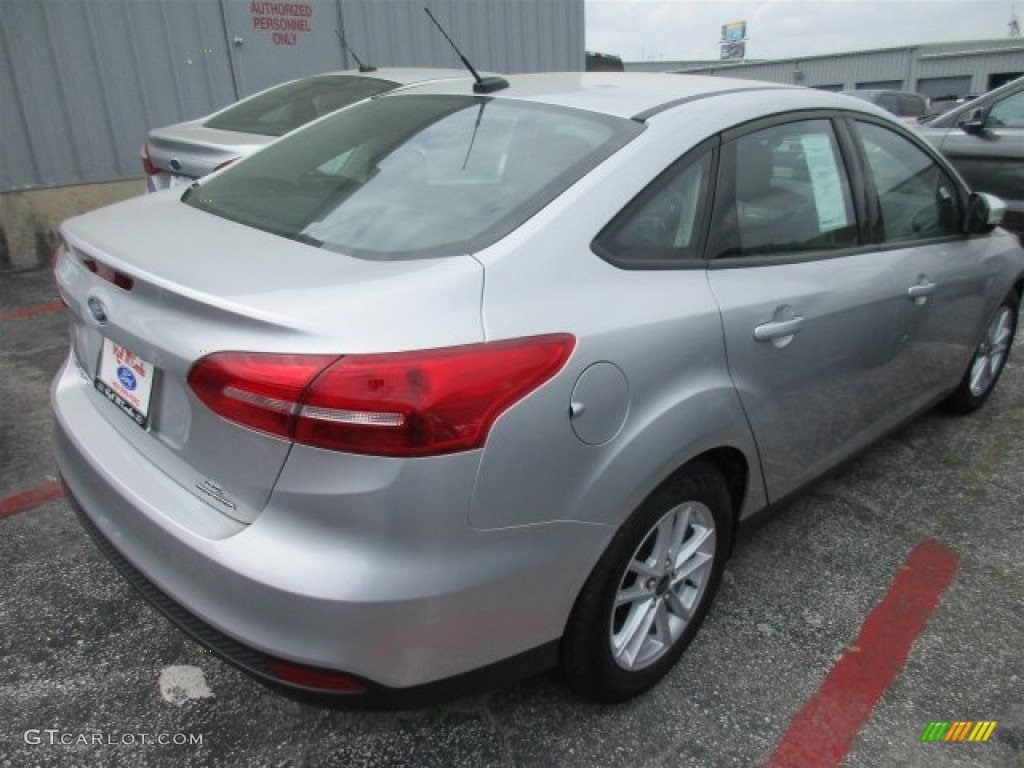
(784, 190)
(917, 199)
(414, 176)
(285, 108)
(662, 225)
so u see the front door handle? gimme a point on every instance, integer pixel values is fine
(778, 329)
(918, 293)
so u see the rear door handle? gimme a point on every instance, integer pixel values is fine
(921, 290)
(778, 329)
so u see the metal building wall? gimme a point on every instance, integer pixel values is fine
(846, 70)
(499, 35)
(82, 81)
(956, 60)
(876, 67)
(978, 60)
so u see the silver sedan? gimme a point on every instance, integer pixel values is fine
(449, 388)
(181, 153)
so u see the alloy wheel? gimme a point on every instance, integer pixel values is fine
(662, 585)
(991, 354)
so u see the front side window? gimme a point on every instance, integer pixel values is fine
(790, 193)
(916, 198)
(1008, 113)
(414, 176)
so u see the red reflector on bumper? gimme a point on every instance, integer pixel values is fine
(313, 677)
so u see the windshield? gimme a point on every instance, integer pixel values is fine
(285, 108)
(414, 176)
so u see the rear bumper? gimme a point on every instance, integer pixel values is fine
(166, 180)
(258, 664)
(390, 585)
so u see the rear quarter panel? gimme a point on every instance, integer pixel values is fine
(661, 328)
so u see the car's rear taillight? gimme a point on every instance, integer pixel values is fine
(256, 390)
(406, 404)
(111, 275)
(147, 163)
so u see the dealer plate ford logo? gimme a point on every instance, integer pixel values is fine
(98, 310)
(126, 377)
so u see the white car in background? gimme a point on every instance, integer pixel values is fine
(183, 152)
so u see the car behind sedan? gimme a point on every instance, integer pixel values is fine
(984, 140)
(445, 388)
(910, 107)
(181, 153)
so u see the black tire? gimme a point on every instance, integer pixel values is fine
(993, 350)
(589, 662)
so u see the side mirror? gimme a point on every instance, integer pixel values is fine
(975, 124)
(984, 213)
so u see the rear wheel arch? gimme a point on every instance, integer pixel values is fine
(730, 462)
(990, 357)
(715, 481)
(735, 470)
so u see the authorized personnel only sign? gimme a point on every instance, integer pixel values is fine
(285, 21)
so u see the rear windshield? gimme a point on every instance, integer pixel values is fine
(414, 176)
(288, 106)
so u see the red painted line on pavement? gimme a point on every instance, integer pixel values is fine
(35, 309)
(33, 497)
(823, 731)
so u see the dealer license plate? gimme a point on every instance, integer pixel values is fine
(126, 380)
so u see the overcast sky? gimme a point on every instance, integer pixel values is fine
(652, 30)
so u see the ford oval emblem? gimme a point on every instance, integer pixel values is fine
(126, 377)
(98, 310)
(175, 164)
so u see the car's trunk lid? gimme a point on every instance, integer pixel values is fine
(193, 150)
(200, 284)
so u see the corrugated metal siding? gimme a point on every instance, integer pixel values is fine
(83, 81)
(826, 70)
(977, 66)
(975, 59)
(958, 47)
(884, 65)
(496, 35)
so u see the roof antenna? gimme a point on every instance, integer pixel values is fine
(482, 84)
(345, 46)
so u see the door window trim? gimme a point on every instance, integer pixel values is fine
(864, 196)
